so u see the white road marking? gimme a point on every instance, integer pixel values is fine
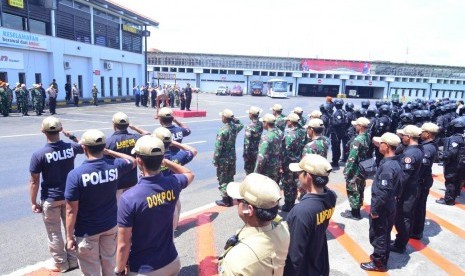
(193, 143)
(49, 262)
(82, 130)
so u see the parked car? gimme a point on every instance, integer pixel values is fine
(257, 88)
(223, 90)
(236, 90)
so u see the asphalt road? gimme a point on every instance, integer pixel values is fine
(204, 228)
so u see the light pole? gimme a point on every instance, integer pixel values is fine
(388, 92)
(431, 82)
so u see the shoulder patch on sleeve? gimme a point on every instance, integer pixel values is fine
(407, 160)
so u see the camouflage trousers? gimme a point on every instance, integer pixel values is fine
(225, 173)
(289, 186)
(355, 189)
(249, 164)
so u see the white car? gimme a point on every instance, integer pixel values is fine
(222, 90)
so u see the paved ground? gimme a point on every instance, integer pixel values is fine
(204, 227)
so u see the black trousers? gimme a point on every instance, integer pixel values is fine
(420, 210)
(183, 103)
(380, 235)
(68, 96)
(453, 183)
(405, 210)
(137, 99)
(336, 139)
(188, 102)
(76, 101)
(52, 104)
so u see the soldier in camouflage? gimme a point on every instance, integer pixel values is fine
(224, 158)
(269, 150)
(302, 120)
(23, 101)
(280, 118)
(3, 99)
(316, 114)
(253, 133)
(318, 144)
(355, 183)
(292, 146)
(37, 100)
(9, 93)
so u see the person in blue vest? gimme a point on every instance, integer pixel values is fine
(145, 214)
(91, 208)
(53, 162)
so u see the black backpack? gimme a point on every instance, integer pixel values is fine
(339, 118)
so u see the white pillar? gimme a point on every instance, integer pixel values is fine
(53, 22)
(92, 25)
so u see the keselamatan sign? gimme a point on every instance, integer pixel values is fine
(23, 40)
(11, 60)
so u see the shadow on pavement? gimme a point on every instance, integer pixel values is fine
(192, 270)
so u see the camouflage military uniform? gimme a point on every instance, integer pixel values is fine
(23, 100)
(302, 134)
(224, 157)
(302, 121)
(291, 151)
(3, 102)
(94, 96)
(355, 183)
(281, 122)
(9, 93)
(269, 154)
(318, 146)
(253, 133)
(37, 101)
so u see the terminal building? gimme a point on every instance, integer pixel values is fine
(77, 41)
(309, 77)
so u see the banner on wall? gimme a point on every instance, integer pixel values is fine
(334, 65)
(11, 60)
(23, 40)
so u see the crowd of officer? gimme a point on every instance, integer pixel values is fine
(35, 96)
(281, 152)
(395, 144)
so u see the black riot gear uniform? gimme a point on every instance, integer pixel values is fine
(338, 133)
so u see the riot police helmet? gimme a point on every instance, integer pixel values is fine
(365, 104)
(384, 110)
(406, 118)
(338, 103)
(371, 111)
(349, 106)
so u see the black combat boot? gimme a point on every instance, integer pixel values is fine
(352, 214)
(225, 201)
(372, 266)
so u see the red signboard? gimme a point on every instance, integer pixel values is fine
(370, 83)
(319, 81)
(334, 65)
(97, 72)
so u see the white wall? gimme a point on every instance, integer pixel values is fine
(84, 60)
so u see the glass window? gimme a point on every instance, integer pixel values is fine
(14, 21)
(37, 27)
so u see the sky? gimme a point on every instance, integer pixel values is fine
(411, 31)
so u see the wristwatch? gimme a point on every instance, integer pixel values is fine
(121, 273)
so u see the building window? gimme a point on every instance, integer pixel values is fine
(14, 22)
(37, 27)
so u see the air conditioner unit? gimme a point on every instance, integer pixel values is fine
(108, 65)
(66, 65)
